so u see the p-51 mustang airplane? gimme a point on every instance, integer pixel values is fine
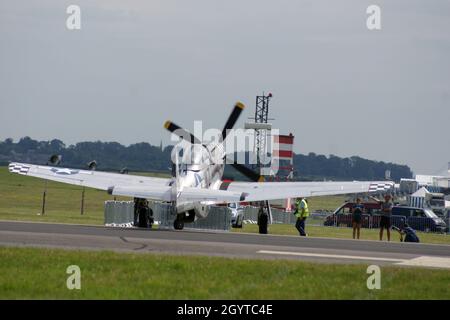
(197, 184)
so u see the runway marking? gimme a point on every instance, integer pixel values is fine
(423, 261)
(333, 256)
(426, 261)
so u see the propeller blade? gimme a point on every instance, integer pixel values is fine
(184, 134)
(238, 108)
(249, 173)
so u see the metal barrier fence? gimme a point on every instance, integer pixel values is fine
(324, 218)
(251, 214)
(280, 216)
(448, 223)
(121, 214)
(373, 222)
(219, 218)
(367, 221)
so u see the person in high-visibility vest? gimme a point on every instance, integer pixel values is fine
(301, 212)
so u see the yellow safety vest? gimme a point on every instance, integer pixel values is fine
(299, 211)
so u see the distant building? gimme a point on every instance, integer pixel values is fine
(408, 186)
(433, 182)
(441, 180)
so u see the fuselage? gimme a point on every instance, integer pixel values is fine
(201, 166)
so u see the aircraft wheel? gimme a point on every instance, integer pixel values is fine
(178, 224)
(239, 221)
(151, 221)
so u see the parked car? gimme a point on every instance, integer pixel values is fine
(237, 215)
(421, 219)
(342, 216)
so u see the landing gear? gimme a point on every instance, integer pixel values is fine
(178, 224)
(239, 221)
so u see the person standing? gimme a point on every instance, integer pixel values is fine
(263, 217)
(385, 221)
(301, 212)
(357, 212)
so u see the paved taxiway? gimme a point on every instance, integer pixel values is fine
(240, 245)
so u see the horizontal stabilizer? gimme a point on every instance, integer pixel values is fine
(162, 193)
(187, 194)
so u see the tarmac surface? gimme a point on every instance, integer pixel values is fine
(226, 244)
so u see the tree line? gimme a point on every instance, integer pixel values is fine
(146, 157)
(316, 167)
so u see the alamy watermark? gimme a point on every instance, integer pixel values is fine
(212, 150)
(373, 21)
(74, 279)
(374, 280)
(73, 21)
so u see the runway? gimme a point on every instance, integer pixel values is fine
(226, 244)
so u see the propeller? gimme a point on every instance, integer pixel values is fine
(234, 116)
(182, 133)
(231, 121)
(189, 137)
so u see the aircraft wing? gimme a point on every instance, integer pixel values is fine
(259, 191)
(125, 185)
(93, 179)
(160, 189)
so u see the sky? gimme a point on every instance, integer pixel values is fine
(338, 87)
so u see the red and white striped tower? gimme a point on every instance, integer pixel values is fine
(283, 157)
(282, 166)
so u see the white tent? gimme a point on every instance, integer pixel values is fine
(422, 192)
(417, 199)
